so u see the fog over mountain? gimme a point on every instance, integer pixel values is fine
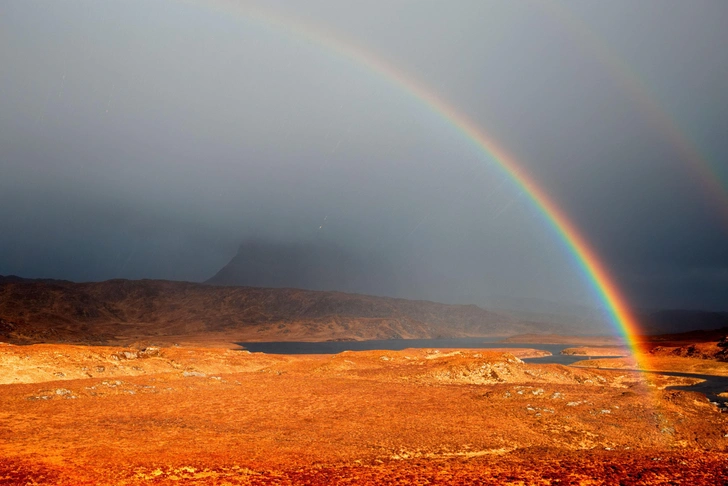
(151, 139)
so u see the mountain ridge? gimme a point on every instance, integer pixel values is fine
(131, 310)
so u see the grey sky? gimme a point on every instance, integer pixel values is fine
(150, 138)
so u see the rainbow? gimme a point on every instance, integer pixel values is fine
(641, 95)
(587, 259)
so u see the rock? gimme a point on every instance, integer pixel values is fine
(63, 391)
(194, 373)
(149, 352)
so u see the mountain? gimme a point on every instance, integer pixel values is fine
(313, 266)
(581, 319)
(164, 311)
(698, 336)
(681, 321)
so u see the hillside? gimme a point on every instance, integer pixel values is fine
(124, 311)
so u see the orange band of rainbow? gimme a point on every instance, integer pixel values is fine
(584, 255)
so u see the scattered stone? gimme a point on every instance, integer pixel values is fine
(149, 352)
(194, 373)
(63, 391)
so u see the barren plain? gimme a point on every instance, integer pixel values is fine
(138, 382)
(180, 415)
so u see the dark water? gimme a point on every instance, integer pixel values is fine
(710, 387)
(334, 347)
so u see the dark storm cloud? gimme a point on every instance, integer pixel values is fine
(149, 139)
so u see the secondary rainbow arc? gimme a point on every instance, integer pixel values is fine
(638, 90)
(587, 259)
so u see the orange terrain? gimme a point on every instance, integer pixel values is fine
(110, 415)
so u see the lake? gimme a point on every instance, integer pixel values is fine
(710, 387)
(334, 347)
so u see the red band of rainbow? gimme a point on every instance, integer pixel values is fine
(589, 262)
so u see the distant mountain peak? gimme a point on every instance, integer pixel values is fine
(312, 266)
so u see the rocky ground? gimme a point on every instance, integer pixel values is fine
(177, 415)
(661, 363)
(717, 351)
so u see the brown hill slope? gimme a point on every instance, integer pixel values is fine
(714, 351)
(164, 311)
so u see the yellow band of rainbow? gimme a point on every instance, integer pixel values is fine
(589, 262)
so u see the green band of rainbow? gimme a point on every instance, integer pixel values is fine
(584, 255)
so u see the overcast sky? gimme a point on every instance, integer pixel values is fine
(148, 139)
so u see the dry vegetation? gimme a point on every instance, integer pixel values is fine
(109, 415)
(134, 409)
(706, 358)
(660, 363)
